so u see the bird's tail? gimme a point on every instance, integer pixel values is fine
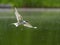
(16, 24)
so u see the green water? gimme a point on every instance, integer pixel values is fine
(47, 33)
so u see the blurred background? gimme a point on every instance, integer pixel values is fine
(44, 14)
(31, 3)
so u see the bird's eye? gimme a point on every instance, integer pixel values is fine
(26, 21)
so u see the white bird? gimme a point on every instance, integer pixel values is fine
(20, 21)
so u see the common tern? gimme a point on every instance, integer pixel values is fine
(20, 21)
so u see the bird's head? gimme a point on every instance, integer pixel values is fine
(25, 21)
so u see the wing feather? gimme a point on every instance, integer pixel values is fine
(28, 25)
(18, 16)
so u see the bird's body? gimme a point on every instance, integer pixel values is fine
(20, 21)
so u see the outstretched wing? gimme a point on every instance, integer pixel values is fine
(18, 16)
(28, 25)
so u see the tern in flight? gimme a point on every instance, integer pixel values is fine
(20, 21)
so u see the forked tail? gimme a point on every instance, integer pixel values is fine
(16, 24)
